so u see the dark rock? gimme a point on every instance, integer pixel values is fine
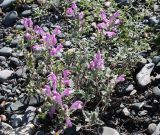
(14, 62)
(10, 18)
(7, 3)
(5, 75)
(26, 13)
(123, 2)
(24, 99)
(6, 51)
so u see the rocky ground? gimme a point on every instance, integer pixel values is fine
(134, 107)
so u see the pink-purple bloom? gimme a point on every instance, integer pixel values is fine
(27, 22)
(38, 30)
(57, 30)
(47, 90)
(57, 97)
(28, 36)
(120, 78)
(76, 105)
(67, 92)
(97, 62)
(70, 12)
(68, 122)
(55, 50)
(52, 77)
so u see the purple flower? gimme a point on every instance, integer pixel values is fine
(38, 30)
(67, 82)
(76, 105)
(103, 17)
(67, 92)
(110, 34)
(54, 51)
(47, 39)
(57, 30)
(57, 98)
(47, 90)
(27, 22)
(52, 77)
(97, 62)
(38, 48)
(74, 6)
(120, 78)
(66, 73)
(28, 36)
(68, 122)
(70, 12)
(54, 40)
(52, 111)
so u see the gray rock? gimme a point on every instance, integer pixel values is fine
(151, 128)
(137, 106)
(29, 115)
(6, 51)
(154, 20)
(7, 3)
(156, 8)
(21, 72)
(5, 128)
(28, 129)
(109, 131)
(16, 120)
(2, 58)
(156, 91)
(26, 13)
(156, 59)
(68, 44)
(10, 18)
(19, 27)
(143, 77)
(133, 92)
(130, 88)
(14, 43)
(17, 106)
(143, 113)
(5, 75)
(157, 131)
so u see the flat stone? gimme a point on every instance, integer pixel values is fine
(156, 59)
(143, 77)
(26, 13)
(109, 131)
(6, 51)
(5, 75)
(16, 120)
(7, 3)
(152, 128)
(157, 130)
(126, 112)
(29, 115)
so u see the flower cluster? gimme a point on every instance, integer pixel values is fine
(97, 62)
(58, 97)
(109, 26)
(74, 12)
(48, 40)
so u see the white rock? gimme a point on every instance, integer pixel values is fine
(126, 112)
(109, 131)
(143, 77)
